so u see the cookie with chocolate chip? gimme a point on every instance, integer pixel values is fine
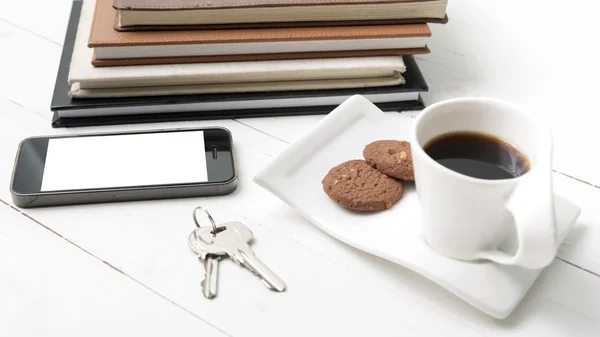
(356, 185)
(391, 157)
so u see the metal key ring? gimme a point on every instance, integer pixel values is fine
(212, 221)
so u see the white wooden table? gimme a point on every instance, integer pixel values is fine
(125, 269)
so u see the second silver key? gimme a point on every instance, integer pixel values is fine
(211, 273)
(233, 241)
(211, 266)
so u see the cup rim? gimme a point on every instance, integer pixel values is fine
(535, 120)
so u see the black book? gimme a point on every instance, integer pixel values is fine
(73, 112)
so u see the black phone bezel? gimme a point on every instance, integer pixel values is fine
(31, 154)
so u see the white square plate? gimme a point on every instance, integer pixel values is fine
(395, 234)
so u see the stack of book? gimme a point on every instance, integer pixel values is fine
(133, 61)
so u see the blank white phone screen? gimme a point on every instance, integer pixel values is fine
(124, 161)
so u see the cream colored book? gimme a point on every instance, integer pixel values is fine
(76, 90)
(229, 76)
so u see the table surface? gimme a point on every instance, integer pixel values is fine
(125, 269)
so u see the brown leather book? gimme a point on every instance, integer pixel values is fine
(165, 13)
(114, 48)
(253, 57)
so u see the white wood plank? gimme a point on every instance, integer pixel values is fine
(581, 246)
(46, 19)
(29, 69)
(146, 240)
(49, 287)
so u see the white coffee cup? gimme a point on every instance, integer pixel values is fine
(469, 218)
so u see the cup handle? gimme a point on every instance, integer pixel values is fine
(532, 206)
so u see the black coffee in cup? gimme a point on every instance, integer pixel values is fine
(478, 155)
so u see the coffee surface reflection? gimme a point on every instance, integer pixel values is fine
(478, 155)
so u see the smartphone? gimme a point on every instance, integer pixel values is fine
(123, 166)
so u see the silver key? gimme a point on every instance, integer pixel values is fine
(211, 266)
(211, 273)
(233, 241)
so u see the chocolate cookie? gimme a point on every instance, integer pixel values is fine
(391, 157)
(358, 186)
